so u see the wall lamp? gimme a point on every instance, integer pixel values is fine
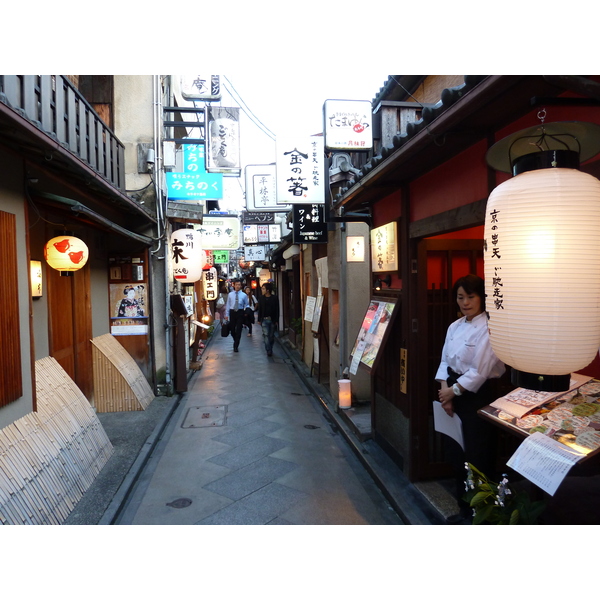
(541, 254)
(379, 282)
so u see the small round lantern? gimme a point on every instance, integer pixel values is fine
(66, 254)
(542, 273)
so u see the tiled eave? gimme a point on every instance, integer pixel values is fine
(480, 109)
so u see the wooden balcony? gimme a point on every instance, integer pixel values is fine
(55, 106)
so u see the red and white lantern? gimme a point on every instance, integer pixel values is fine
(66, 254)
(187, 256)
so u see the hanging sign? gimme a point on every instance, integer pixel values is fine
(261, 191)
(254, 253)
(220, 233)
(250, 234)
(194, 186)
(275, 233)
(262, 233)
(348, 125)
(200, 87)
(220, 257)
(193, 158)
(223, 140)
(309, 226)
(211, 284)
(187, 257)
(300, 170)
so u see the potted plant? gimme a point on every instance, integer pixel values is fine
(499, 503)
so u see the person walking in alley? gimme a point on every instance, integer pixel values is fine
(252, 308)
(236, 303)
(268, 315)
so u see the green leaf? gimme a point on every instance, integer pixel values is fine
(514, 517)
(480, 498)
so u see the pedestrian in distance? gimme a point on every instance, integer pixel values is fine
(250, 311)
(268, 315)
(237, 301)
(469, 376)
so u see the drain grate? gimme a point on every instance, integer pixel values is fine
(180, 503)
(205, 416)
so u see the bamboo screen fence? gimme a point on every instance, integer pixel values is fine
(119, 384)
(49, 458)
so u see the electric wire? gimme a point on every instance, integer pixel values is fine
(237, 97)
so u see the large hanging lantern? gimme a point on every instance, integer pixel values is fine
(542, 257)
(187, 256)
(66, 254)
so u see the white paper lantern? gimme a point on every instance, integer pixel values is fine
(187, 257)
(66, 254)
(542, 271)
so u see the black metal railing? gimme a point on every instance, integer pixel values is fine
(54, 105)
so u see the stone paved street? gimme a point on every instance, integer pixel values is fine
(249, 444)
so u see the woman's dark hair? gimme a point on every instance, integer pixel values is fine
(472, 284)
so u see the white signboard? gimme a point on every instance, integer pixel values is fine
(262, 233)
(384, 248)
(261, 192)
(220, 233)
(274, 233)
(250, 234)
(300, 170)
(348, 125)
(223, 140)
(210, 283)
(200, 87)
(254, 253)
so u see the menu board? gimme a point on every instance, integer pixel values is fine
(371, 333)
(571, 418)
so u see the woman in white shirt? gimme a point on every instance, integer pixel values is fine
(469, 373)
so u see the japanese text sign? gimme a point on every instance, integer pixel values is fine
(223, 140)
(220, 233)
(300, 170)
(384, 248)
(261, 194)
(254, 253)
(309, 226)
(211, 284)
(348, 125)
(194, 186)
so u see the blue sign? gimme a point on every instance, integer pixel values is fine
(193, 158)
(194, 186)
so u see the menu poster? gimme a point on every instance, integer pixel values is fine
(372, 331)
(316, 318)
(309, 309)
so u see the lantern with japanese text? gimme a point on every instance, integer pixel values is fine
(187, 256)
(66, 254)
(542, 249)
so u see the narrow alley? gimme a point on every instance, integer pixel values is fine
(249, 444)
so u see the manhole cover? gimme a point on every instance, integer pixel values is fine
(205, 416)
(180, 503)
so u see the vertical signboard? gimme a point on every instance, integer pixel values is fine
(300, 170)
(309, 226)
(223, 140)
